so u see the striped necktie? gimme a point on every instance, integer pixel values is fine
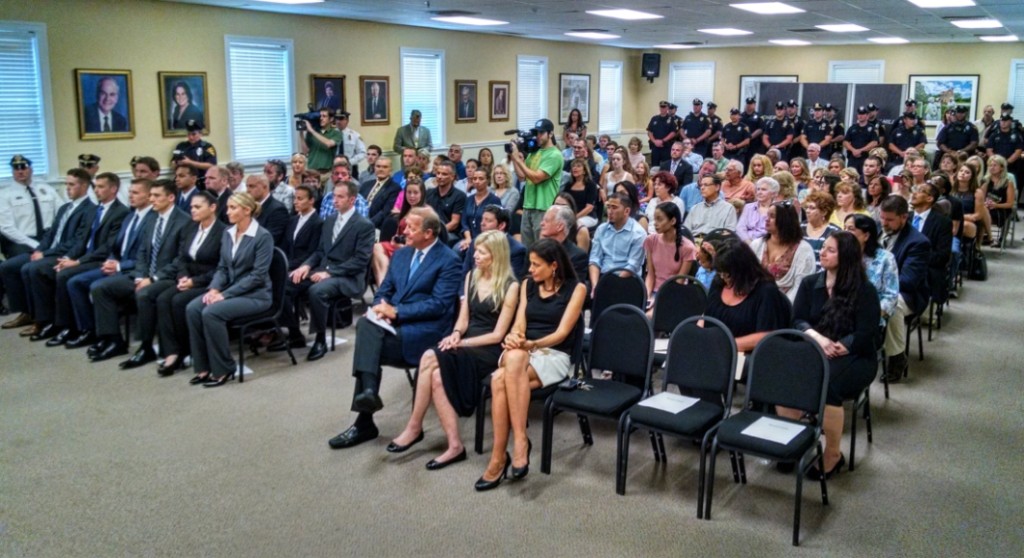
(158, 239)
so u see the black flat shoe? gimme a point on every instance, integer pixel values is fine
(45, 332)
(435, 465)
(281, 346)
(197, 379)
(317, 351)
(212, 382)
(518, 473)
(483, 484)
(814, 474)
(170, 369)
(395, 448)
(353, 437)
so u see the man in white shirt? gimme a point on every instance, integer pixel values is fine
(27, 208)
(714, 213)
(351, 145)
(814, 160)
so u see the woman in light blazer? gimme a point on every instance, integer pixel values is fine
(240, 287)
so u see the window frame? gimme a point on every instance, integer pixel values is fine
(619, 66)
(52, 171)
(543, 89)
(878, 64)
(438, 136)
(674, 67)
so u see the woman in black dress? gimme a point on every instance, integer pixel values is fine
(450, 374)
(838, 307)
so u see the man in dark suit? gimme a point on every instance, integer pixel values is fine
(557, 223)
(337, 268)
(273, 214)
(217, 184)
(185, 179)
(938, 228)
(467, 106)
(52, 301)
(121, 260)
(912, 251)
(417, 299)
(496, 218)
(381, 192)
(376, 108)
(100, 117)
(70, 226)
(158, 247)
(679, 167)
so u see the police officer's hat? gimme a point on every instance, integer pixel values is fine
(819, 106)
(872, 107)
(751, 100)
(20, 162)
(734, 110)
(663, 104)
(1006, 116)
(673, 106)
(88, 160)
(791, 103)
(712, 105)
(134, 161)
(910, 103)
(1006, 106)
(341, 115)
(698, 102)
(862, 110)
(544, 125)
(960, 109)
(910, 114)
(194, 126)
(780, 105)
(828, 106)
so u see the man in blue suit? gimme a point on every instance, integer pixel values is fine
(912, 251)
(418, 299)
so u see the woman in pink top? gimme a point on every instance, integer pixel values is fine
(668, 252)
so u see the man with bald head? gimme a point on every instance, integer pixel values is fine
(100, 117)
(217, 184)
(273, 215)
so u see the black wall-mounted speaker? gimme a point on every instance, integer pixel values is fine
(651, 66)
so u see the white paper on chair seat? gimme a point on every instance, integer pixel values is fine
(669, 402)
(661, 346)
(773, 430)
(372, 316)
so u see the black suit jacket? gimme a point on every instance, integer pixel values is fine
(184, 203)
(299, 247)
(76, 228)
(939, 230)
(383, 202)
(106, 234)
(118, 123)
(684, 171)
(349, 256)
(274, 217)
(127, 257)
(202, 267)
(912, 252)
(176, 221)
(222, 206)
(580, 262)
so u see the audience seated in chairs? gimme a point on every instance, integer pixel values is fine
(619, 243)
(273, 215)
(557, 224)
(938, 228)
(1000, 195)
(536, 355)
(782, 250)
(417, 298)
(818, 207)
(392, 236)
(450, 374)
(381, 192)
(583, 190)
(879, 264)
(497, 218)
(668, 251)
(240, 287)
(665, 187)
(579, 233)
(479, 198)
(713, 212)
(751, 224)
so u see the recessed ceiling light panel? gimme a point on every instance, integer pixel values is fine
(889, 40)
(726, 31)
(467, 20)
(789, 42)
(768, 8)
(934, 4)
(591, 35)
(977, 23)
(674, 46)
(999, 38)
(625, 14)
(291, 2)
(843, 28)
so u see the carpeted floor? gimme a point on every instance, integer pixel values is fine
(95, 461)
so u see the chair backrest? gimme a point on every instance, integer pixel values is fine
(702, 358)
(612, 289)
(788, 368)
(622, 342)
(678, 298)
(278, 281)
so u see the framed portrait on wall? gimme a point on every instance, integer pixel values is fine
(327, 92)
(105, 104)
(573, 93)
(935, 94)
(499, 100)
(465, 100)
(748, 85)
(183, 97)
(374, 97)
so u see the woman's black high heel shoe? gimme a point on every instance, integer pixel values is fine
(483, 484)
(170, 369)
(217, 382)
(197, 379)
(814, 474)
(519, 472)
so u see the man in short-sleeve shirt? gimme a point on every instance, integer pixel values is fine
(542, 171)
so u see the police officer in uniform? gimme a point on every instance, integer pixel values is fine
(716, 125)
(1008, 141)
(883, 133)
(755, 125)
(661, 131)
(735, 136)
(677, 121)
(838, 133)
(910, 105)
(816, 130)
(778, 132)
(860, 139)
(796, 149)
(1006, 108)
(195, 152)
(961, 135)
(27, 208)
(906, 136)
(697, 127)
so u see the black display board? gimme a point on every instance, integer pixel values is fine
(889, 98)
(836, 93)
(770, 92)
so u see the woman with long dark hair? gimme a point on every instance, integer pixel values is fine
(880, 265)
(575, 125)
(668, 251)
(838, 308)
(584, 193)
(182, 107)
(782, 250)
(878, 189)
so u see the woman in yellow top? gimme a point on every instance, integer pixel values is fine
(849, 201)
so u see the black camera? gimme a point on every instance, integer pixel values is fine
(177, 155)
(398, 239)
(526, 141)
(308, 120)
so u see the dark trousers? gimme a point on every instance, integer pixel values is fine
(172, 323)
(109, 295)
(374, 348)
(13, 284)
(12, 251)
(321, 295)
(208, 331)
(149, 315)
(50, 293)
(81, 305)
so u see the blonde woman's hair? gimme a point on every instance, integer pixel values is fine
(495, 242)
(999, 160)
(766, 167)
(787, 184)
(244, 199)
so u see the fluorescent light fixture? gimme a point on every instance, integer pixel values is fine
(843, 28)
(789, 42)
(726, 31)
(293, 1)
(592, 35)
(466, 20)
(889, 40)
(999, 38)
(623, 13)
(933, 4)
(977, 23)
(768, 8)
(674, 46)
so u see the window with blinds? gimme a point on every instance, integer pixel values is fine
(423, 90)
(1016, 95)
(691, 80)
(609, 110)
(24, 96)
(261, 98)
(531, 90)
(856, 71)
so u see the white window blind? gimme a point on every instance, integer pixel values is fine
(423, 89)
(609, 110)
(691, 80)
(856, 71)
(531, 90)
(261, 98)
(1016, 94)
(24, 128)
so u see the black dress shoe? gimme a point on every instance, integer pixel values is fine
(353, 437)
(483, 484)
(212, 382)
(96, 347)
(61, 338)
(317, 351)
(287, 344)
(86, 338)
(113, 349)
(435, 465)
(367, 402)
(46, 332)
(395, 448)
(197, 379)
(141, 357)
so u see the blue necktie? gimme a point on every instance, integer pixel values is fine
(130, 237)
(95, 227)
(916, 222)
(158, 239)
(416, 260)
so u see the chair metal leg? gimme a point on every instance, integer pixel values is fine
(481, 409)
(622, 453)
(920, 343)
(743, 468)
(545, 446)
(709, 487)
(241, 356)
(661, 448)
(931, 319)
(588, 438)
(654, 445)
(853, 437)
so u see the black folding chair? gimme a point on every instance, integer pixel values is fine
(789, 369)
(709, 377)
(679, 298)
(268, 319)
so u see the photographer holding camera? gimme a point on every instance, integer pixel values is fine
(323, 144)
(541, 168)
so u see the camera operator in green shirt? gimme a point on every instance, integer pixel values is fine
(542, 171)
(322, 145)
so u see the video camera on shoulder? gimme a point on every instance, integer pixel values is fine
(525, 141)
(308, 120)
